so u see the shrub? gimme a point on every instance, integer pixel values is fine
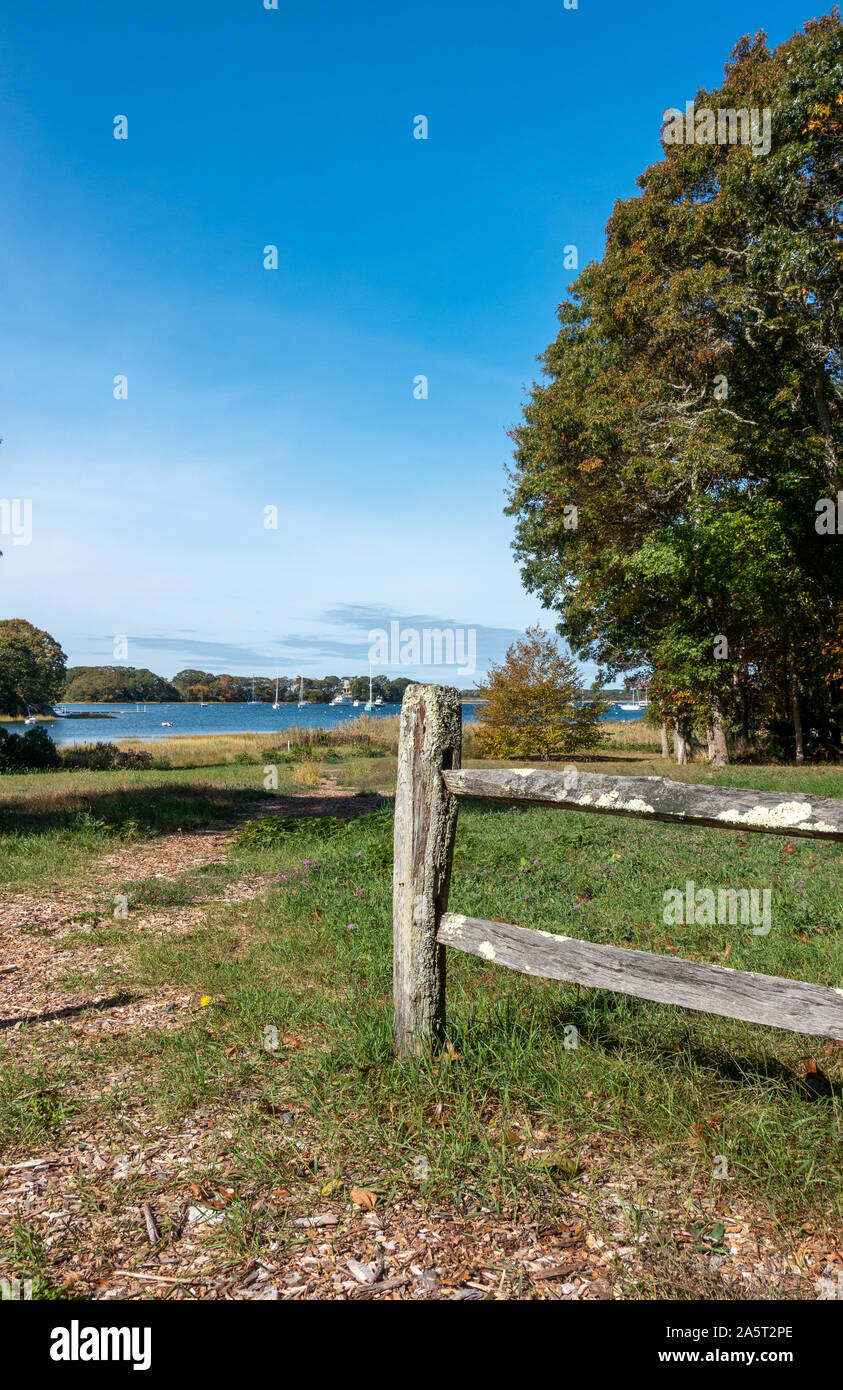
(105, 757)
(534, 704)
(32, 751)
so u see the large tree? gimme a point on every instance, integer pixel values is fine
(667, 471)
(32, 666)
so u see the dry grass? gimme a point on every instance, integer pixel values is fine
(215, 750)
(307, 774)
(630, 733)
(205, 750)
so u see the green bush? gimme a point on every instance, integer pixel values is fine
(105, 757)
(32, 751)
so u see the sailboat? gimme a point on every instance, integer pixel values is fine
(277, 704)
(637, 703)
(369, 704)
(301, 693)
(251, 700)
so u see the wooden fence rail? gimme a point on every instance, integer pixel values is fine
(430, 784)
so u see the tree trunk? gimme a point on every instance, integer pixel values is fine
(680, 743)
(797, 716)
(826, 428)
(665, 743)
(718, 746)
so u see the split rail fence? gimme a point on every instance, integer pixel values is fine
(429, 788)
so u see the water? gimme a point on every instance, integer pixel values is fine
(127, 722)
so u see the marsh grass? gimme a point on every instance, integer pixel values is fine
(212, 750)
(630, 733)
(307, 773)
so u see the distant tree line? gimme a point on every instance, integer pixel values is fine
(122, 684)
(194, 685)
(110, 685)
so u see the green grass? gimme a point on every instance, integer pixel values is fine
(24, 1252)
(52, 824)
(640, 1079)
(650, 1094)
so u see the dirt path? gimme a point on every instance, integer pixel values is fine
(34, 962)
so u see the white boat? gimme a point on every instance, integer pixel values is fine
(637, 704)
(356, 703)
(379, 700)
(368, 704)
(251, 700)
(302, 701)
(277, 704)
(341, 700)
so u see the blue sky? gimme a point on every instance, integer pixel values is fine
(293, 388)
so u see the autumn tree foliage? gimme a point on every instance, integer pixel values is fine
(692, 413)
(535, 704)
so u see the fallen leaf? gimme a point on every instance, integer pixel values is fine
(561, 1165)
(362, 1197)
(224, 1196)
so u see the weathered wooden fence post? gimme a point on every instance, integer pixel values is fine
(425, 824)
